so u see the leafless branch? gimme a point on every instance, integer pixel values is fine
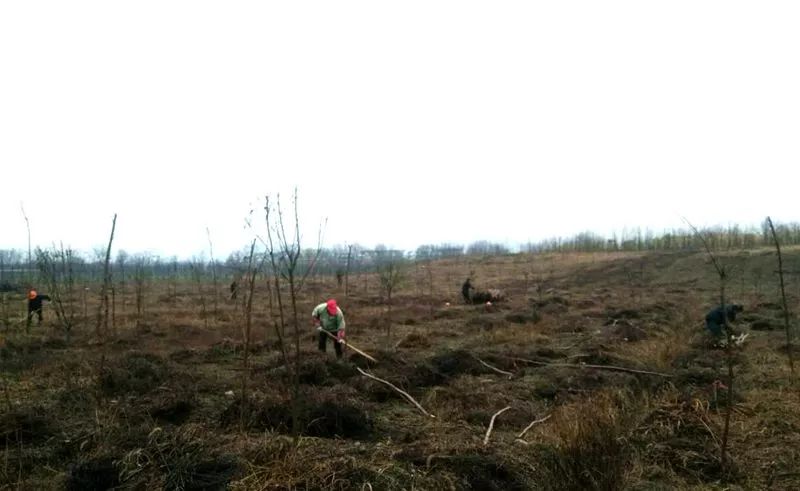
(491, 424)
(494, 369)
(598, 367)
(533, 423)
(400, 391)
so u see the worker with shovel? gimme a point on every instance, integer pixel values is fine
(329, 320)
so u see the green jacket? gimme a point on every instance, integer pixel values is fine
(330, 323)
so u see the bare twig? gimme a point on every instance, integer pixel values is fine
(599, 367)
(491, 424)
(494, 369)
(534, 422)
(402, 392)
(717, 265)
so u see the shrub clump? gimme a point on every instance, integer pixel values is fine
(137, 372)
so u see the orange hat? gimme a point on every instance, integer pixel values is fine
(32, 294)
(332, 307)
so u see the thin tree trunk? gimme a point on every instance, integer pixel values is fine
(296, 381)
(103, 308)
(347, 271)
(213, 271)
(783, 298)
(248, 325)
(113, 311)
(30, 261)
(729, 362)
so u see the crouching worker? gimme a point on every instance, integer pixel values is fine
(715, 319)
(35, 305)
(329, 318)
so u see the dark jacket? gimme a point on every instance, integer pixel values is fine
(36, 303)
(717, 318)
(465, 288)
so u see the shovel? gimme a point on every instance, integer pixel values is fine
(351, 347)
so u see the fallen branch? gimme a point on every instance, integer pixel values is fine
(534, 422)
(494, 369)
(402, 392)
(599, 367)
(491, 424)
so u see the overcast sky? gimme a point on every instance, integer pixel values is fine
(401, 122)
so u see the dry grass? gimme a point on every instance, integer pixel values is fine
(148, 408)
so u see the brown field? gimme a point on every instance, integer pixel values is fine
(148, 409)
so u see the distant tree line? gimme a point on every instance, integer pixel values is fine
(88, 268)
(719, 239)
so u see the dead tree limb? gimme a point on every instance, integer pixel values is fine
(494, 369)
(491, 424)
(402, 392)
(533, 423)
(598, 367)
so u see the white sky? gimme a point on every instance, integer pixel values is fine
(401, 122)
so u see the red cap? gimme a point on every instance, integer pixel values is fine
(332, 307)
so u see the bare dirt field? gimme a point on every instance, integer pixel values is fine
(605, 352)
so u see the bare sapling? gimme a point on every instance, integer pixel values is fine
(390, 274)
(784, 304)
(5, 311)
(272, 293)
(347, 270)
(248, 322)
(29, 272)
(113, 311)
(140, 286)
(198, 281)
(429, 271)
(285, 251)
(213, 272)
(56, 269)
(29, 269)
(729, 346)
(122, 256)
(3, 298)
(103, 308)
